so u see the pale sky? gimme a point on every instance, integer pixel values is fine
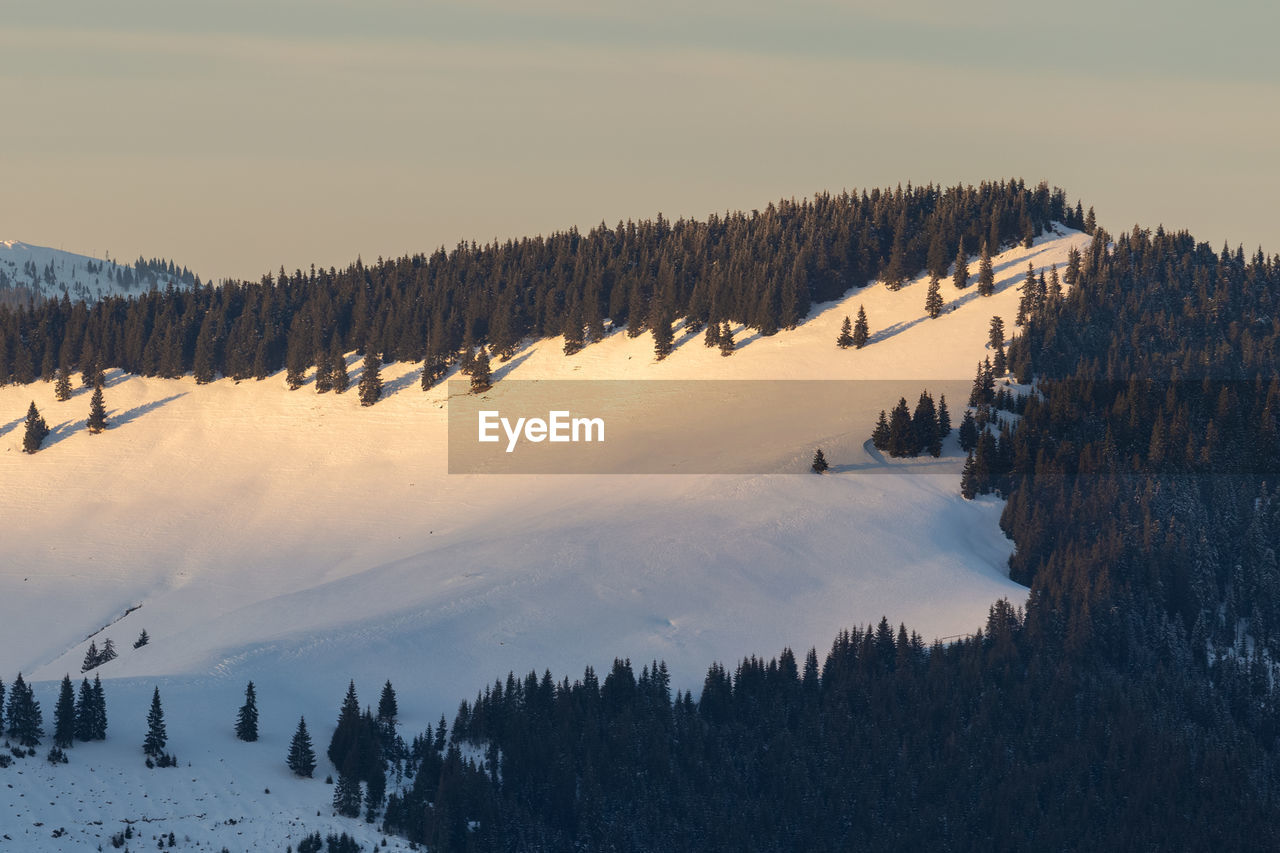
(240, 136)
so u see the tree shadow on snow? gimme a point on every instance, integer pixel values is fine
(122, 418)
(896, 329)
(511, 365)
(64, 430)
(5, 428)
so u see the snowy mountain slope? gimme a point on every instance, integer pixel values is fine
(300, 540)
(53, 272)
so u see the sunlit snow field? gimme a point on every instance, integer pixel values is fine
(301, 540)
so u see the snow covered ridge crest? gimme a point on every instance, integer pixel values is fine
(34, 272)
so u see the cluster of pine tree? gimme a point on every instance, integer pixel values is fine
(868, 748)
(855, 334)
(83, 719)
(907, 433)
(762, 270)
(36, 429)
(360, 748)
(95, 657)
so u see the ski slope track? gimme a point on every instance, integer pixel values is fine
(300, 540)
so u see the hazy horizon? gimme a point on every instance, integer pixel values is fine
(245, 137)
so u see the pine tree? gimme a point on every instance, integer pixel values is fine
(663, 336)
(727, 346)
(91, 657)
(983, 385)
(968, 479)
(108, 652)
(99, 710)
(97, 411)
(370, 378)
(481, 378)
(346, 795)
(968, 431)
(156, 738)
(960, 278)
(62, 385)
(324, 373)
(944, 418)
(338, 376)
(924, 425)
(861, 330)
(845, 340)
(995, 332)
(25, 722)
(64, 715)
(84, 712)
(433, 368)
(388, 709)
(711, 338)
(247, 718)
(895, 271)
(819, 462)
(986, 276)
(999, 364)
(346, 732)
(142, 640)
(37, 430)
(902, 440)
(880, 435)
(302, 758)
(933, 303)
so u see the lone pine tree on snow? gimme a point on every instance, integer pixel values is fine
(247, 718)
(819, 462)
(302, 757)
(986, 276)
(156, 738)
(933, 303)
(97, 411)
(37, 430)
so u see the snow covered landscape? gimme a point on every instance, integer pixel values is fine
(300, 540)
(44, 272)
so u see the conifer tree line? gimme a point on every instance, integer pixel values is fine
(910, 433)
(82, 717)
(761, 270)
(867, 747)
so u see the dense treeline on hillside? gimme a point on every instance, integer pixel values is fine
(762, 269)
(1148, 468)
(1133, 705)
(984, 744)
